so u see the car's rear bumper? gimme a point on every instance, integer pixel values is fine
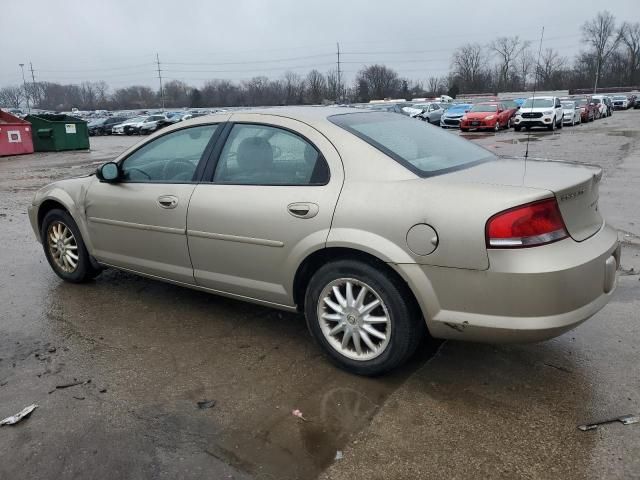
(526, 295)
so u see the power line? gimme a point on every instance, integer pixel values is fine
(248, 62)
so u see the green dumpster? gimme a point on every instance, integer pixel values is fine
(58, 132)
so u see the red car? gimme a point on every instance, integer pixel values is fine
(587, 109)
(488, 115)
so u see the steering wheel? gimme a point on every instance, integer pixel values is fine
(175, 167)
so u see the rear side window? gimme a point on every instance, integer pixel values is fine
(265, 155)
(422, 148)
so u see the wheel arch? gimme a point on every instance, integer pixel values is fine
(320, 257)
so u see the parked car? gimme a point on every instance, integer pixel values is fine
(620, 102)
(371, 273)
(602, 110)
(587, 108)
(433, 112)
(486, 116)
(571, 112)
(103, 126)
(387, 107)
(128, 127)
(452, 116)
(539, 112)
(153, 123)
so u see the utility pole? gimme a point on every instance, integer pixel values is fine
(160, 80)
(24, 82)
(33, 79)
(339, 86)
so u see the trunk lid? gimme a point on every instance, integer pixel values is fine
(576, 187)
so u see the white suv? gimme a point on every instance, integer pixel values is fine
(539, 112)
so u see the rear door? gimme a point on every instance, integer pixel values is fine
(139, 223)
(269, 203)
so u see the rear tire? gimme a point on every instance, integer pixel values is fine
(64, 248)
(396, 317)
(517, 128)
(464, 129)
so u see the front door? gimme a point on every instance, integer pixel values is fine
(139, 222)
(270, 203)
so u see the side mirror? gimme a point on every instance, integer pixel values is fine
(500, 111)
(109, 172)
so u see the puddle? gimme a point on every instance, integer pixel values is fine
(625, 133)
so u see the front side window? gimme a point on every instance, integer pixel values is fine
(171, 158)
(265, 155)
(420, 147)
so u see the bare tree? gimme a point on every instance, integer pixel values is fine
(550, 68)
(630, 36)
(293, 88)
(526, 64)
(507, 49)
(469, 66)
(316, 86)
(380, 81)
(11, 96)
(335, 85)
(176, 94)
(602, 35)
(434, 85)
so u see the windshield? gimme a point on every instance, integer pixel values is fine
(484, 108)
(420, 147)
(619, 97)
(582, 101)
(568, 105)
(459, 108)
(596, 101)
(538, 103)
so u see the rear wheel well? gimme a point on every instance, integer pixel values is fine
(321, 257)
(46, 207)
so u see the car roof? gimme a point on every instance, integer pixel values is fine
(305, 114)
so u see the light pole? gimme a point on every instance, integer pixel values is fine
(26, 93)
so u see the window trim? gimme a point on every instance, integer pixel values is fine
(197, 174)
(212, 164)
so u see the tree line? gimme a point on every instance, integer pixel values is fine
(611, 57)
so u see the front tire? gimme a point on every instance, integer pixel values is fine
(64, 248)
(366, 321)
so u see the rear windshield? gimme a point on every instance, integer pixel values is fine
(424, 149)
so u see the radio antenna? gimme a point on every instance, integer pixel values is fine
(533, 98)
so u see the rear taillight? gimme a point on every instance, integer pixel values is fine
(526, 226)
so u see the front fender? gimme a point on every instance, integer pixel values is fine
(70, 194)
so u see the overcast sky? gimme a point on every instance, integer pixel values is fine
(117, 40)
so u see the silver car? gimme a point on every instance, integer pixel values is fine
(378, 228)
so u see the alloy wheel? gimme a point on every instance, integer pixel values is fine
(63, 246)
(354, 319)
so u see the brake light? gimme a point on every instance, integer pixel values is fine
(528, 225)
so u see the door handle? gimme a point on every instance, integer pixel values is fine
(303, 209)
(168, 201)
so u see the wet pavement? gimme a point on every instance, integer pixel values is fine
(147, 353)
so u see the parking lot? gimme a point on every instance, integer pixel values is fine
(144, 353)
